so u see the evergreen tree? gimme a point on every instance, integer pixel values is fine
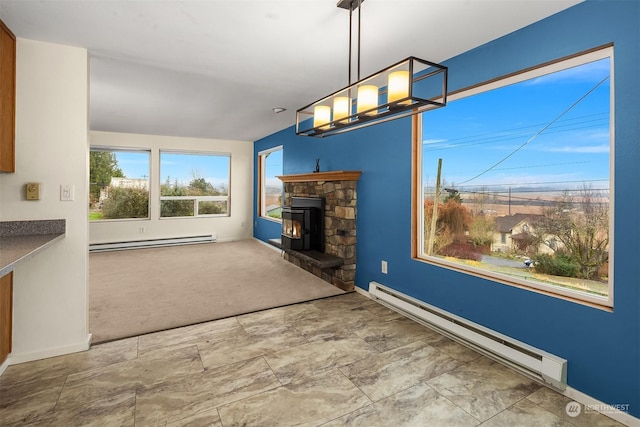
(103, 165)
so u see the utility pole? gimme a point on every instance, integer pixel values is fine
(434, 218)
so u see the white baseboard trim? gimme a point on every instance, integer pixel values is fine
(362, 292)
(578, 396)
(4, 365)
(15, 359)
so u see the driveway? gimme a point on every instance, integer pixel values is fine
(503, 262)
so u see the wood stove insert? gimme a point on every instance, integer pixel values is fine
(303, 224)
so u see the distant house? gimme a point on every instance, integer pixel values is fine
(517, 232)
(142, 183)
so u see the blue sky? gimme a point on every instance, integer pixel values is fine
(181, 167)
(133, 164)
(495, 139)
(273, 168)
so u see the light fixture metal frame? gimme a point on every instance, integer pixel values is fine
(383, 112)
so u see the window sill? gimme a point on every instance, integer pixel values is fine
(574, 296)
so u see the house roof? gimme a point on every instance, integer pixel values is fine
(216, 69)
(504, 224)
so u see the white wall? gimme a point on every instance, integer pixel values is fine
(235, 227)
(50, 290)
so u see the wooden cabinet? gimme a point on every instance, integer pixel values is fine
(6, 315)
(7, 99)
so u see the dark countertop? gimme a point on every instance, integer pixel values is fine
(20, 240)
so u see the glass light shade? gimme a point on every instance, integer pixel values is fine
(409, 87)
(341, 107)
(321, 115)
(367, 99)
(398, 86)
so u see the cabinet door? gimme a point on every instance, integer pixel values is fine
(7, 99)
(6, 315)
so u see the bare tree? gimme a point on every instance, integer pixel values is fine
(481, 198)
(581, 223)
(452, 223)
(441, 239)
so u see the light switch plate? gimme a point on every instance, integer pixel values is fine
(33, 191)
(66, 192)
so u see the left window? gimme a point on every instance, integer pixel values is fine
(270, 187)
(118, 184)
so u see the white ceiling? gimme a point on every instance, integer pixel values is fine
(216, 68)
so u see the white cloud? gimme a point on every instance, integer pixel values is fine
(433, 141)
(595, 149)
(590, 72)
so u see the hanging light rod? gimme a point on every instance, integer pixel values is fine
(405, 88)
(349, 4)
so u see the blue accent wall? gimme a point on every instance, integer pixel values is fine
(602, 347)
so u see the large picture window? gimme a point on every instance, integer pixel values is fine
(118, 184)
(194, 184)
(514, 180)
(269, 186)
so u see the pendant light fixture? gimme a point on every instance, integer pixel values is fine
(408, 87)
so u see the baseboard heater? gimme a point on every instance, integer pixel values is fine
(151, 243)
(529, 360)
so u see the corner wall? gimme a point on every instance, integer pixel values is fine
(602, 347)
(237, 226)
(50, 290)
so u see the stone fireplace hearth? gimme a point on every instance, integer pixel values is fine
(337, 264)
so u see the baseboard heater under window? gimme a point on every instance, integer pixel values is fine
(151, 243)
(529, 360)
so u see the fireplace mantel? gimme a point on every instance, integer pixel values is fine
(322, 176)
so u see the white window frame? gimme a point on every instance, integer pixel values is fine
(262, 167)
(196, 199)
(115, 149)
(565, 293)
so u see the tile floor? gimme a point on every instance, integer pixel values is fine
(344, 360)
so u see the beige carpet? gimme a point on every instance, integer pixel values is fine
(138, 291)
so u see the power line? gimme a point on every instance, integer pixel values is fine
(503, 135)
(532, 126)
(540, 131)
(501, 195)
(519, 184)
(529, 199)
(522, 184)
(558, 190)
(542, 166)
(494, 193)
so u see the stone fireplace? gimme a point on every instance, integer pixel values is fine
(336, 261)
